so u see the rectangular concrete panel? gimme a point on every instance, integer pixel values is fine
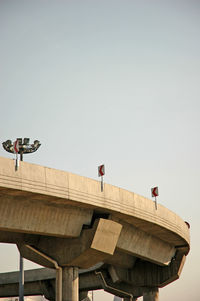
(106, 236)
(18, 214)
(143, 245)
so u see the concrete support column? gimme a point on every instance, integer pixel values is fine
(151, 294)
(59, 284)
(21, 278)
(70, 284)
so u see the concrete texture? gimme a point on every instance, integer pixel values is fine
(144, 245)
(58, 218)
(70, 284)
(58, 189)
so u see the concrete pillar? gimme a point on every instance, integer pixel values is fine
(151, 294)
(59, 284)
(70, 284)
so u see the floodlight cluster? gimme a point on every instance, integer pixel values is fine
(24, 146)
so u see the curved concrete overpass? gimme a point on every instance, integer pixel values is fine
(59, 218)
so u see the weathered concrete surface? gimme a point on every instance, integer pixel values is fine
(93, 246)
(70, 284)
(135, 241)
(67, 218)
(51, 189)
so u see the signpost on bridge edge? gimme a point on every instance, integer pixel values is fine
(154, 194)
(101, 173)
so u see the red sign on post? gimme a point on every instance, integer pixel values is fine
(101, 173)
(101, 170)
(154, 192)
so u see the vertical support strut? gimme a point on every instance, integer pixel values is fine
(21, 278)
(70, 284)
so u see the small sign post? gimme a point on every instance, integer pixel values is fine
(101, 173)
(16, 151)
(154, 193)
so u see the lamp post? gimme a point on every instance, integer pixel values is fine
(21, 146)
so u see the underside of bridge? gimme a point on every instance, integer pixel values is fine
(94, 260)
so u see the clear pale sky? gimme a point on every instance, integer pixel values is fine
(114, 82)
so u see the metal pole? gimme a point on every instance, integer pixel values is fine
(16, 163)
(21, 279)
(21, 265)
(21, 156)
(101, 184)
(156, 203)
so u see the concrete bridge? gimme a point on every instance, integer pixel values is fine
(117, 239)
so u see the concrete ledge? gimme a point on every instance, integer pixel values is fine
(55, 188)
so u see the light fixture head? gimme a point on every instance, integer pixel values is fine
(7, 145)
(37, 143)
(26, 141)
(24, 146)
(19, 140)
(8, 142)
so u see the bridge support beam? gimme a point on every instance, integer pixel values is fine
(70, 284)
(151, 294)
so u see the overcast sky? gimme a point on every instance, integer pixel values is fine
(114, 82)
